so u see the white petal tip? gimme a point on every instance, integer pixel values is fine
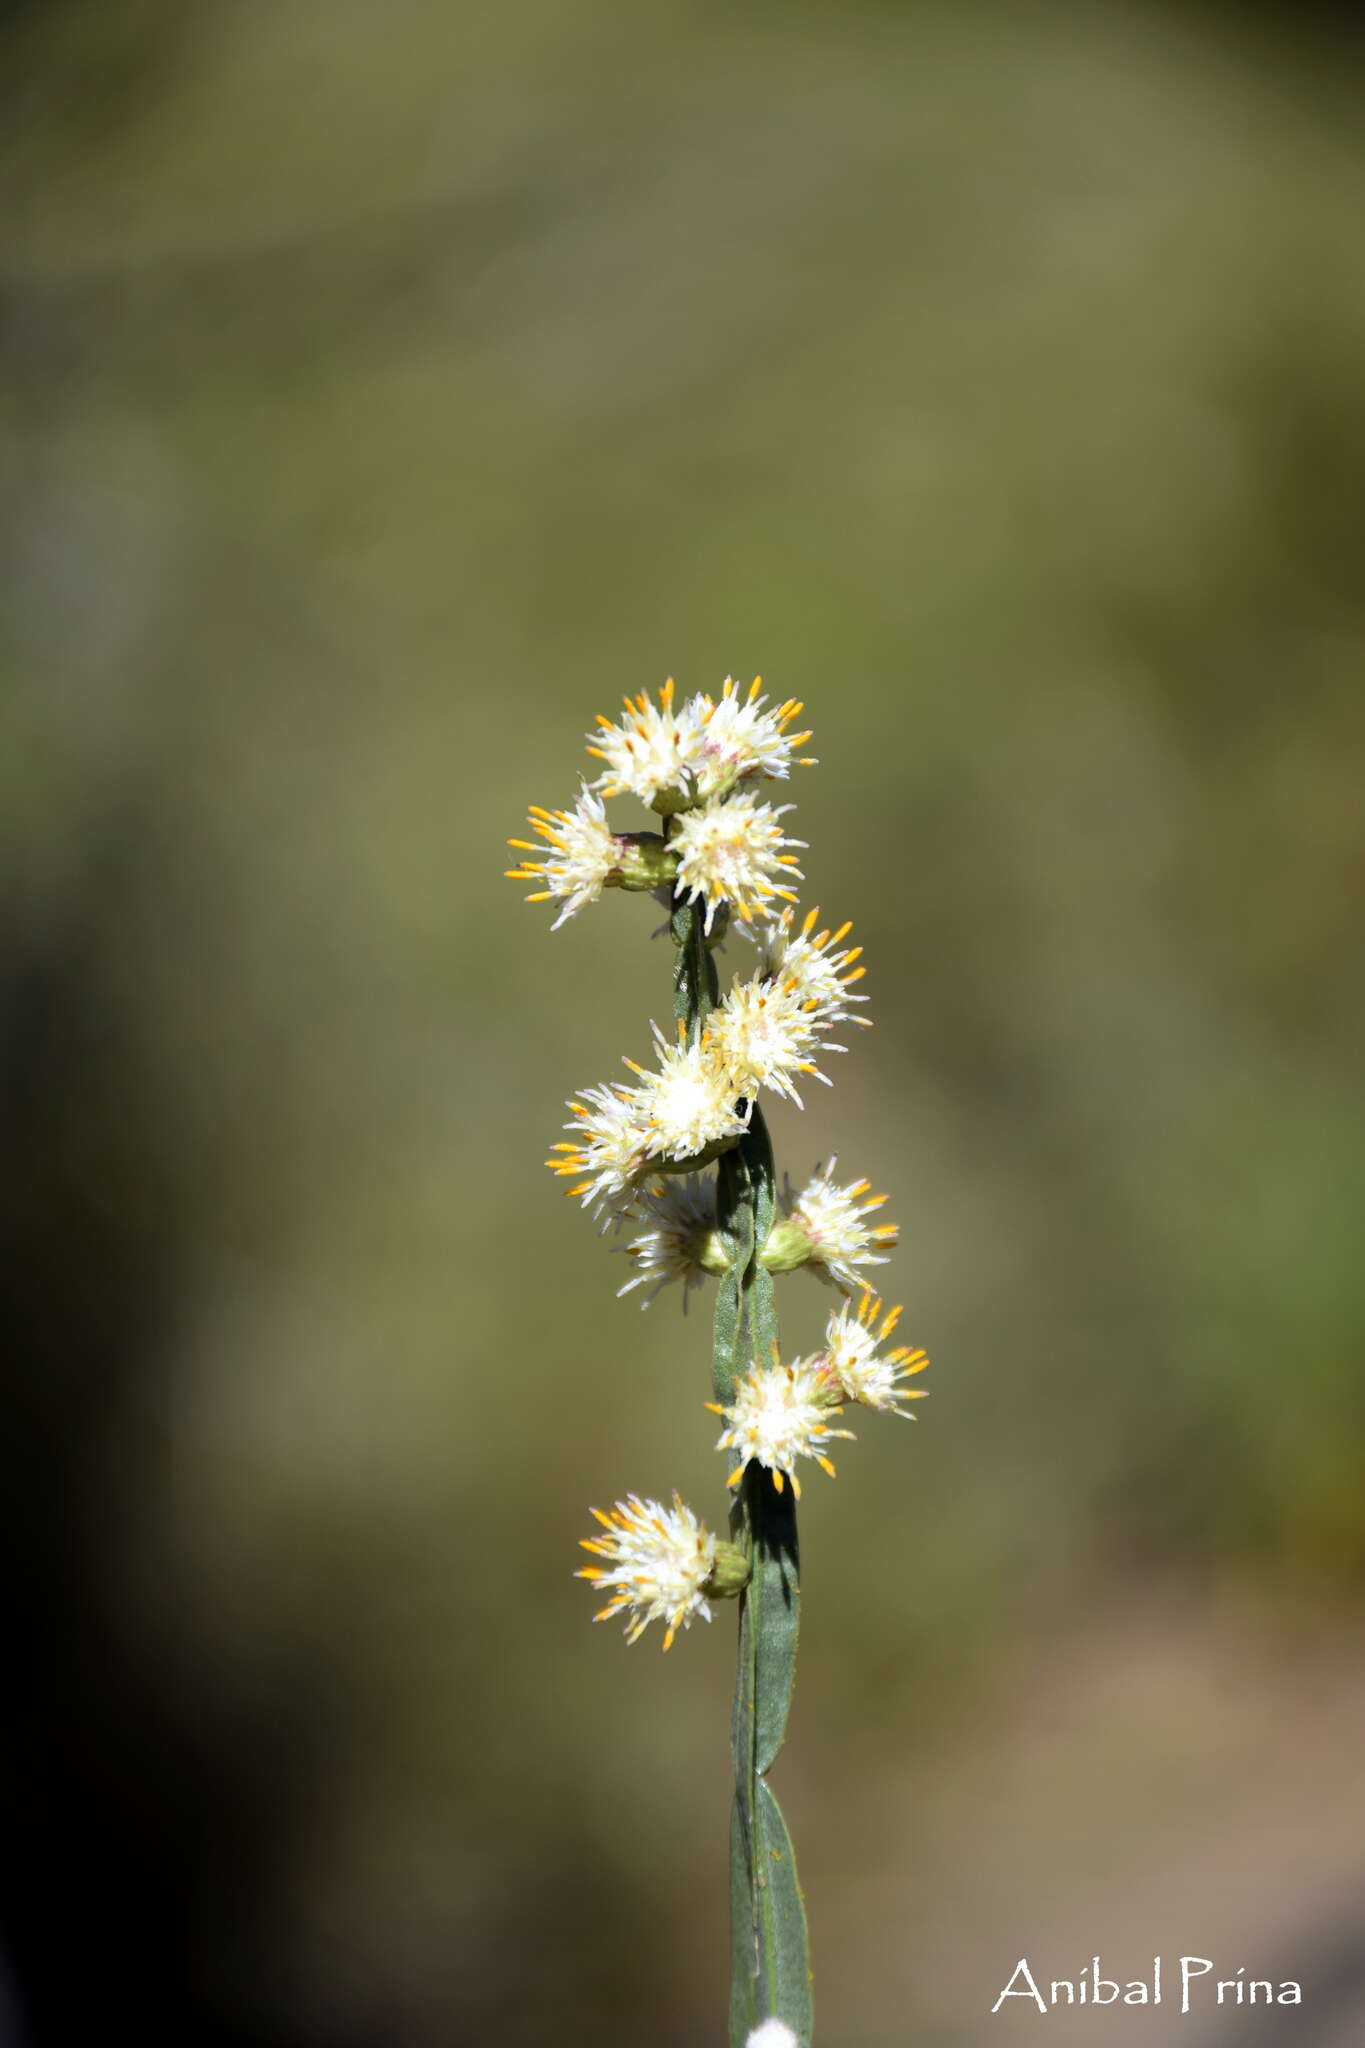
(772, 2034)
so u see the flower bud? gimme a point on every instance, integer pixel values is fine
(730, 1573)
(712, 1253)
(642, 861)
(789, 1245)
(676, 798)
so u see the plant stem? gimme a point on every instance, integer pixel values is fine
(696, 989)
(769, 1949)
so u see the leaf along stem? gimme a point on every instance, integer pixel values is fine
(769, 1947)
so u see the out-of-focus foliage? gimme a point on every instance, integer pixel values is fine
(385, 390)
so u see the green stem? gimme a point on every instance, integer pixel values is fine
(770, 1965)
(696, 989)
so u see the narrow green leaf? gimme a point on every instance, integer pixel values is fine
(729, 1326)
(743, 1942)
(774, 1604)
(770, 1975)
(784, 1980)
(735, 1222)
(768, 1627)
(756, 1152)
(744, 1713)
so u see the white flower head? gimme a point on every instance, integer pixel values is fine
(678, 1216)
(612, 1148)
(733, 737)
(780, 1413)
(862, 1374)
(582, 852)
(732, 852)
(657, 1563)
(646, 752)
(765, 1037)
(831, 1220)
(772, 2034)
(690, 1103)
(810, 969)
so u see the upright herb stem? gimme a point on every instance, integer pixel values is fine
(769, 1948)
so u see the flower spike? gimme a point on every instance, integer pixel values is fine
(637, 1154)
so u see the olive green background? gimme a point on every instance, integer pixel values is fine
(387, 389)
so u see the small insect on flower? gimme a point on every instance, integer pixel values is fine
(823, 1228)
(678, 1219)
(732, 852)
(647, 752)
(658, 1565)
(733, 737)
(780, 1413)
(858, 1372)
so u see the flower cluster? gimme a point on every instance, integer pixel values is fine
(581, 856)
(678, 1238)
(691, 765)
(731, 853)
(679, 1115)
(763, 1034)
(638, 1149)
(673, 759)
(821, 1228)
(660, 1565)
(781, 1412)
(854, 1367)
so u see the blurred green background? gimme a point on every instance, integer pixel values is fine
(386, 389)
